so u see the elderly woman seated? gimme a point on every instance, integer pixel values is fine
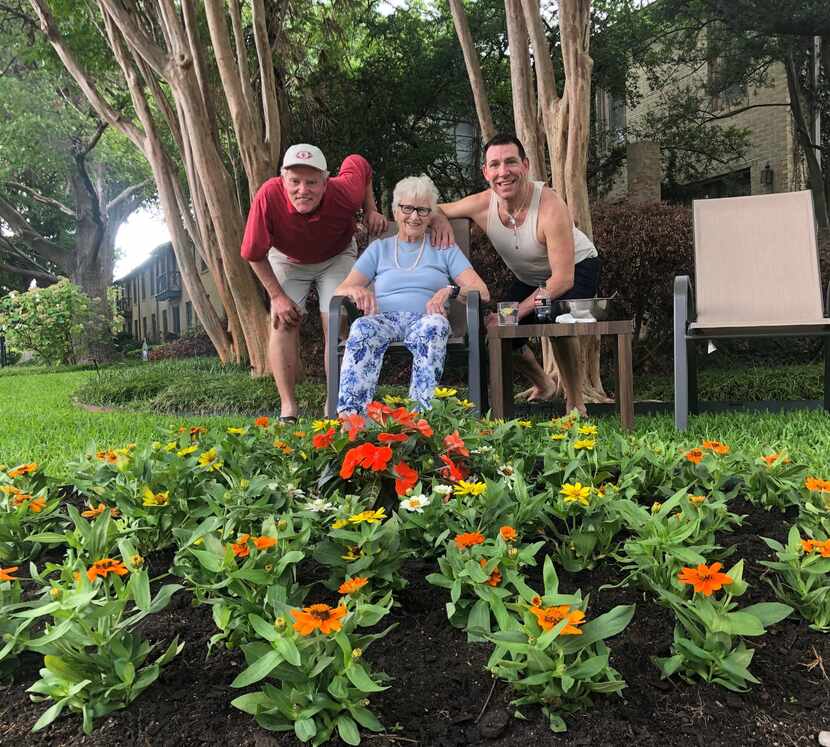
(413, 282)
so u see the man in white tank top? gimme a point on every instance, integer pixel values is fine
(531, 228)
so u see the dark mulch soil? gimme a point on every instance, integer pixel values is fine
(440, 687)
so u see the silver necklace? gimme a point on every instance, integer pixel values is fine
(417, 259)
(513, 223)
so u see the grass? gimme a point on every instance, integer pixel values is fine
(39, 421)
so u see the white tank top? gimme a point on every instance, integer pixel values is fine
(529, 262)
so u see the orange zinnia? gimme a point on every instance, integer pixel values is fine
(694, 455)
(264, 542)
(770, 459)
(406, 477)
(23, 469)
(197, 430)
(549, 617)
(6, 573)
(495, 576)
(108, 456)
(240, 547)
(508, 534)
(705, 579)
(455, 444)
(21, 497)
(262, 422)
(318, 617)
(351, 585)
(94, 512)
(403, 417)
(468, 539)
(817, 484)
(808, 545)
(37, 505)
(104, 567)
(323, 440)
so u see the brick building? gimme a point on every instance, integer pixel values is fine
(154, 302)
(771, 163)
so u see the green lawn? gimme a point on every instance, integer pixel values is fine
(40, 423)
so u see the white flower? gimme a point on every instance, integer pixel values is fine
(415, 503)
(507, 471)
(292, 491)
(318, 505)
(442, 489)
(482, 450)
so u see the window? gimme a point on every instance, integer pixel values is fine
(155, 324)
(723, 80)
(164, 328)
(177, 320)
(143, 290)
(189, 314)
(144, 326)
(137, 334)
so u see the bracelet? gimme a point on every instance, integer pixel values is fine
(454, 290)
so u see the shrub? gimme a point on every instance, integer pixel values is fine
(189, 345)
(49, 321)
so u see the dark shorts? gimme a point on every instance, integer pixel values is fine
(586, 285)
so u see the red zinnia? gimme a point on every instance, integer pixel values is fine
(378, 411)
(468, 539)
(353, 424)
(452, 471)
(388, 438)
(455, 444)
(407, 477)
(323, 440)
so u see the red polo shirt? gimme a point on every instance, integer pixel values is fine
(313, 237)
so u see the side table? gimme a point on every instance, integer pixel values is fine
(501, 360)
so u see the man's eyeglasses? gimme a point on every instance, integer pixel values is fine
(409, 209)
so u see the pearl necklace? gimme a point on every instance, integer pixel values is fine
(417, 259)
(511, 219)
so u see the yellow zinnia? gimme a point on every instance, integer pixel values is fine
(444, 392)
(469, 488)
(585, 443)
(152, 499)
(576, 493)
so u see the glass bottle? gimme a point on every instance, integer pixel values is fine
(542, 304)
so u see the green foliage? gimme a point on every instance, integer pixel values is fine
(801, 576)
(49, 321)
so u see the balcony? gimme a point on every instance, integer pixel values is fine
(169, 286)
(124, 305)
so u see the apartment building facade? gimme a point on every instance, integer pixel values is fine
(153, 301)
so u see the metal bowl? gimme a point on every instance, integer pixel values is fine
(600, 309)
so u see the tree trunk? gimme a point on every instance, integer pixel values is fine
(462, 30)
(524, 104)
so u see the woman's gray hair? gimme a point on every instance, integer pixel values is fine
(412, 187)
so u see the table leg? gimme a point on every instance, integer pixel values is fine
(625, 382)
(501, 377)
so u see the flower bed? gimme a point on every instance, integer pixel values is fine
(416, 579)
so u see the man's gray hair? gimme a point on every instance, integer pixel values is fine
(412, 187)
(325, 174)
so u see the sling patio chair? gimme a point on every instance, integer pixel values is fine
(466, 331)
(756, 275)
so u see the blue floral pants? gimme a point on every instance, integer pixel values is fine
(425, 336)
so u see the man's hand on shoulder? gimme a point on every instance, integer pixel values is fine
(441, 233)
(374, 222)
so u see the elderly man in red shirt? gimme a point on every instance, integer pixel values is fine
(300, 232)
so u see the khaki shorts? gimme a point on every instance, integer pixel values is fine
(296, 279)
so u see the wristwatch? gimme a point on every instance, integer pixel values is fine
(454, 290)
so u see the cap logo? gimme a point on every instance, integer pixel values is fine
(304, 154)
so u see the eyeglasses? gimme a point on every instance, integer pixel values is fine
(409, 209)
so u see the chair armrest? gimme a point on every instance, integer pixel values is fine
(473, 308)
(827, 300)
(684, 304)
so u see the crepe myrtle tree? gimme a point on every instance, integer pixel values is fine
(202, 97)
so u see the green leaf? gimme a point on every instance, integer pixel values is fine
(305, 729)
(260, 669)
(360, 678)
(250, 702)
(288, 650)
(125, 671)
(768, 613)
(262, 628)
(139, 584)
(348, 730)
(50, 714)
(365, 718)
(604, 626)
(551, 580)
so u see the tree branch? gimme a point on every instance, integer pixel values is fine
(93, 141)
(36, 274)
(43, 199)
(126, 195)
(38, 244)
(155, 56)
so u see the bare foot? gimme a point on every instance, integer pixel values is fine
(538, 394)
